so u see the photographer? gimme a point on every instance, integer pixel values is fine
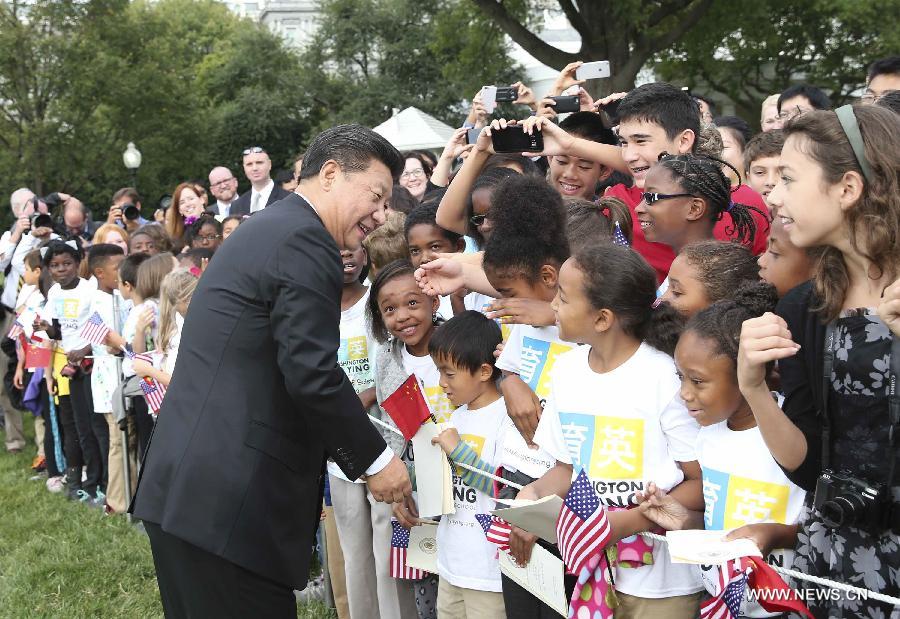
(836, 343)
(126, 210)
(33, 227)
(73, 219)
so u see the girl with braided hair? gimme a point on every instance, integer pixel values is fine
(684, 196)
(730, 449)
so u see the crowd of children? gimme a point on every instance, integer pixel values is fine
(644, 312)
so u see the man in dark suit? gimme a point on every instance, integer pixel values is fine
(263, 190)
(230, 487)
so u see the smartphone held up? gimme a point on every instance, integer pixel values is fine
(513, 139)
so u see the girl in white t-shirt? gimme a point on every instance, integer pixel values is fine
(614, 412)
(403, 319)
(744, 489)
(174, 298)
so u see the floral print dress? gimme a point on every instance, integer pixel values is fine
(860, 422)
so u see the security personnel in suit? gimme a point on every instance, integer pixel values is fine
(263, 190)
(230, 486)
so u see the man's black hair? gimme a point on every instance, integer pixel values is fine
(284, 176)
(589, 126)
(884, 66)
(426, 213)
(663, 104)
(99, 255)
(401, 200)
(501, 160)
(468, 340)
(128, 267)
(816, 96)
(353, 147)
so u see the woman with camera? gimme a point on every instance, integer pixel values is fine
(837, 343)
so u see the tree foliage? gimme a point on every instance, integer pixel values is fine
(371, 56)
(626, 32)
(749, 51)
(187, 81)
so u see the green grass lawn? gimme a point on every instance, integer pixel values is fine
(61, 559)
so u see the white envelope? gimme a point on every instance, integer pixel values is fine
(434, 481)
(707, 547)
(542, 577)
(422, 550)
(537, 517)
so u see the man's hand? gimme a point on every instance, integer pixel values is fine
(391, 484)
(406, 513)
(115, 215)
(23, 224)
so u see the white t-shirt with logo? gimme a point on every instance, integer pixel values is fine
(465, 557)
(71, 308)
(530, 352)
(356, 356)
(625, 428)
(426, 371)
(742, 484)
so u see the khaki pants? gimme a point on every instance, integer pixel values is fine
(365, 530)
(39, 436)
(336, 565)
(115, 486)
(676, 607)
(458, 603)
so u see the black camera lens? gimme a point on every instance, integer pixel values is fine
(130, 211)
(847, 509)
(41, 220)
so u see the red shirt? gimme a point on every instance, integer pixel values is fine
(661, 256)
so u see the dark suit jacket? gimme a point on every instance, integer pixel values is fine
(235, 462)
(241, 206)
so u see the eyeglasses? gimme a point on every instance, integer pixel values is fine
(222, 183)
(209, 238)
(477, 220)
(417, 173)
(791, 113)
(253, 150)
(653, 197)
(870, 97)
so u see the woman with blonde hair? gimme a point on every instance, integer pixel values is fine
(112, 234)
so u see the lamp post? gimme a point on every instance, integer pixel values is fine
(132, 160)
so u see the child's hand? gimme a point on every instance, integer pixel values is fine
(77, 356)
(145, 320)
(406, 513)
(521, 543)
(441, 276)
(656, 505)
(39, 325)
(762, 534)
(448, 439)
(522, 312)
(142, 368)
(114, 341)
(763, 339)
(522, 406)
(18, 377)
(499, 350)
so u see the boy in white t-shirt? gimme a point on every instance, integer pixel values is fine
(463, 350)
(106, 302)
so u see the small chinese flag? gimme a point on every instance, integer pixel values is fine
(407, 407)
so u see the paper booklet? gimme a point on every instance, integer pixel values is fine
(537, 517)
(542, 577)
(422, 550)
(434, 479)
(708, 547)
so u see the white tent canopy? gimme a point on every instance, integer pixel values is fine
(413, 129)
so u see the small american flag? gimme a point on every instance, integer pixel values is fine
(732, 584)
(15, 331)
(399, 545)
(94, 330)
(153, 393)
(619, 236)
(583, 530)
(496, 529)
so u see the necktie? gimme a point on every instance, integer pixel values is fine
(254, 204)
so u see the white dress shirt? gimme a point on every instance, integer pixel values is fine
(224, 208)
(258, 204)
